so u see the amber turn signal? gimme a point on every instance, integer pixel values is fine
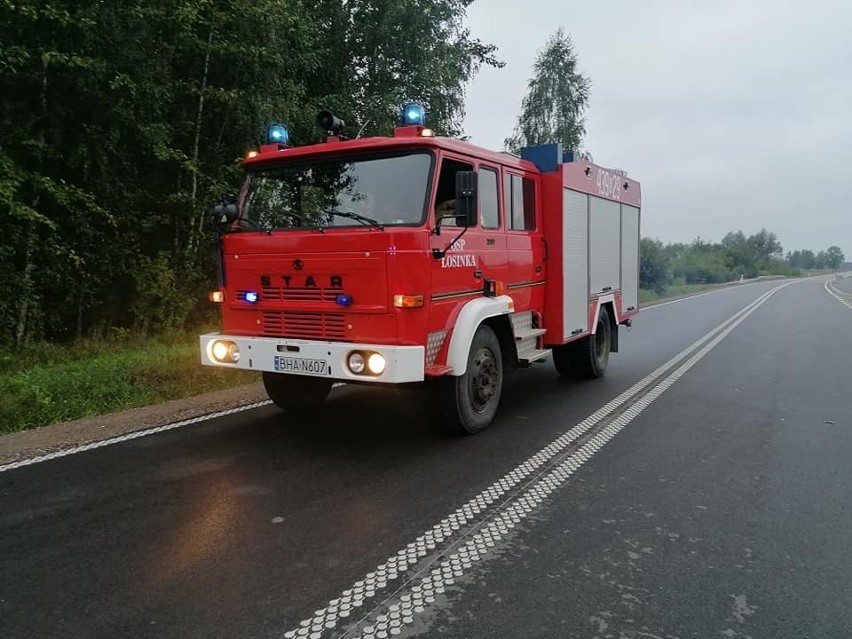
(408, 301)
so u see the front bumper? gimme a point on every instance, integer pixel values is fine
(317, 358)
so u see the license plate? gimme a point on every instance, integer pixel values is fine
(300, 365)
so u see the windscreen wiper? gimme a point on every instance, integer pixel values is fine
(363, 219)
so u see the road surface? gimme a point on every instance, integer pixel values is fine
(702, 489)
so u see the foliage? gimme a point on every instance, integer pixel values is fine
(654, 265)
(42, 383)
(557, 97)
(122, 121)
(701, 262)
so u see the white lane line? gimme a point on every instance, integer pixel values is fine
(134, 435)
(838, 295)
(410, 601)
(362, 591)
(692, 297)
(123, 438)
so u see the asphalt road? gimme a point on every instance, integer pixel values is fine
(713, 500)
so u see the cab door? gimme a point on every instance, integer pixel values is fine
(525, 242)
(479, 253)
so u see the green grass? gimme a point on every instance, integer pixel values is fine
(44, 384)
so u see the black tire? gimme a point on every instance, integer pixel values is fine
(586, 358)
(290, 392)
(468, 403)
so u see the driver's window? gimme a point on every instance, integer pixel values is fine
(445, 202)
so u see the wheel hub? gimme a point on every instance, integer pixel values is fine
(483, 379)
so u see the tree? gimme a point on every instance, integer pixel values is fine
(654, 265)
(557, 97)
(110, 155)
(834, 257)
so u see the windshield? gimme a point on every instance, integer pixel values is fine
(390, 190)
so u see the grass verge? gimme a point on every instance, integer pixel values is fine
(44, 384)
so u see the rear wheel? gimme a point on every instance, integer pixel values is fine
(469, 402)
(586, 358)
(291, 392)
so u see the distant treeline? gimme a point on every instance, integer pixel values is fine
(702, 262)
(121, 122)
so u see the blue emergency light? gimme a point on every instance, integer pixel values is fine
(251, 297)
(343, 300)
(413, 114)
(277, 134)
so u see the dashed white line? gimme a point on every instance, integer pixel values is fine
(441, 535)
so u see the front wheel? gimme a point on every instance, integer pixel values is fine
(469, 402)
(290, 392)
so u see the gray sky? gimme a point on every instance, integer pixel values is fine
(732, 115)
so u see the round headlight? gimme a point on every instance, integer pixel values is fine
(376, 363)
(219, 351)
(357, 363)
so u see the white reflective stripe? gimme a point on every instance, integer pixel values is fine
(469, 319)
(603, 299)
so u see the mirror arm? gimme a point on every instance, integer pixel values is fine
(440, 253)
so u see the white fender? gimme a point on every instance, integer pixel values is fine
(469, 319)
(601, 301)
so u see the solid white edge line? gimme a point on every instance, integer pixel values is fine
(729, 287)
(65, 452)
(109, 441)
(403, 608)
(363, 590)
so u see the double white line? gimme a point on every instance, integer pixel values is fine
(846, 300)
(410, 580)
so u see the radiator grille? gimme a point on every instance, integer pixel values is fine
(327, 326)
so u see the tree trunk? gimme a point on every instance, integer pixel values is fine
(193, 241)
(29, 250)
(26, 293)
(81, 303)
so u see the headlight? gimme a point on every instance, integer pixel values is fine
(376, 363)
(356, 363)
(224, 352)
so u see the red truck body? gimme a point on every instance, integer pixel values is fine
(551, 247)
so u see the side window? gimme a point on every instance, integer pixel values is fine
(445, 196)
(529, 204)
(519, 196)
(489, 212)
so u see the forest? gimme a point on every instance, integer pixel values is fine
(121, 122)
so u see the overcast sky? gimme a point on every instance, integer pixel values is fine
(732, 115)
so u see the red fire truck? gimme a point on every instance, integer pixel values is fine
(421, 259)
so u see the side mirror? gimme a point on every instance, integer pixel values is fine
(466, 201)
(223, 213)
